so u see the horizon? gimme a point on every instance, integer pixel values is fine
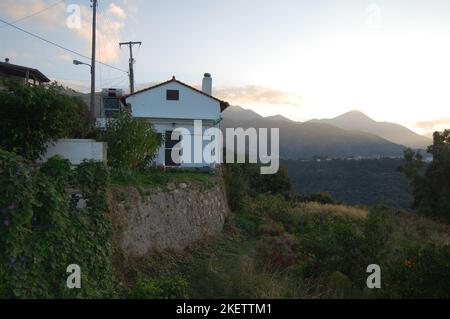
(297, 59)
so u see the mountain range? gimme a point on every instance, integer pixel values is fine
(350, 135)
(356, 120)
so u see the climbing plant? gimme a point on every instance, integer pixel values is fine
(43, 230)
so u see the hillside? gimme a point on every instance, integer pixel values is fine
(306, 140)
(356, 120)
(353, 182)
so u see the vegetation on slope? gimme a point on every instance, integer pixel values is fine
(431, 186)
(279, 246)
(43, 229)
(355, 182)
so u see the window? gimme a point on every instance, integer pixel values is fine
(173, 95)
(111, 107)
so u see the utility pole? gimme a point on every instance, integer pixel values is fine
(94, 36)
(131, 72)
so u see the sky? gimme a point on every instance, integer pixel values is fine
(303, 59)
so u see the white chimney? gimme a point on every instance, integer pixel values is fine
(207, 84)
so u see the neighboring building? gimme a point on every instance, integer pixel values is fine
(20, 74)
(174, 104)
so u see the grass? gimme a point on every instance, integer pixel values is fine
(257, 257)
(338, 210)
(158, 178)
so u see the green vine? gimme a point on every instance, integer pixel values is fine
(42, 231)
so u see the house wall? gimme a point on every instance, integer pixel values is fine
(166, 115)
(191, 105)
(77, 150)
(162, 127)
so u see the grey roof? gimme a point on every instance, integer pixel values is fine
(21, 71)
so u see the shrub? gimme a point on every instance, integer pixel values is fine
(431, 190)
(276, 184)
(271, 228)
(423, 271)
(33, 116)
(59, 169)
(333, 244)
(132, 142)
(276, 208)
(162, 288)
(278, 252)
(248, 223)
(377, 230)
(84, 126)
(41, 233)
(236, 185)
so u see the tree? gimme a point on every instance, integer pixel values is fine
(31, 117)
(84, 127)
(432, 189)
(132, 142)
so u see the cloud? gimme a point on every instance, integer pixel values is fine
(252, 94)
(117, 11)
(110, 23)
(65, 57)
(17, 9)
(432, 124)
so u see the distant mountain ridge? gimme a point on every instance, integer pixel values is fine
(396, 133)
(306, 140)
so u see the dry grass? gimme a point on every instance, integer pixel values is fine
(412, 227)
(339, 210)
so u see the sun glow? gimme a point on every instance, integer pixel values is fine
(402, 77)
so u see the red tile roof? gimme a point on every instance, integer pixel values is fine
(223, 104)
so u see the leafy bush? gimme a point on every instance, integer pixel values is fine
(162, 288)
(423, 271)
(84, 125)
(132, 142)
(271, 228)
(278, 252)
(276, 208)
(236, 185)
(33, 116)
(248, 223)
(431, 190)
(333, 244)
(59, 169)
(243, 181)
(41, 233)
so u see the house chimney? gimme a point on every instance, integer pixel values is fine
(7, 60)
(207, 84)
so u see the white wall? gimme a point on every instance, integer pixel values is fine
(77, 150)
(191, 105)
(163, 127)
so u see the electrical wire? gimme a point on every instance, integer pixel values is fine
(35, 13)
(58, 45)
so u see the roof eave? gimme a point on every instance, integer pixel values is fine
(223, 104)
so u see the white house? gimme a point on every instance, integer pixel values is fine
(174, 104)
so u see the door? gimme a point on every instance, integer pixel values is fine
(169, 146)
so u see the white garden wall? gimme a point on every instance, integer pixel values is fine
(77, 150)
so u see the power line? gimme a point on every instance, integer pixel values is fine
(58, 45)
(35, 13)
